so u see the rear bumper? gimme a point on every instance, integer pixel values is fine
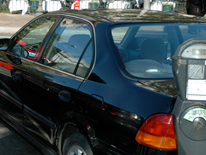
(103, 149)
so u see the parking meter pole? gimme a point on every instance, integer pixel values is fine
(189, 69)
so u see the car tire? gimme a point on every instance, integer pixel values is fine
(77, 144)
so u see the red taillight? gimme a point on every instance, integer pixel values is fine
(158, 132)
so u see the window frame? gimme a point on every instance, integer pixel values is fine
(13, 42)
(92, 40)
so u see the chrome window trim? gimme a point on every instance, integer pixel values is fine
(38, 63)
(60, 71)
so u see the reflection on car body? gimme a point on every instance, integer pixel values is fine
(95, 82)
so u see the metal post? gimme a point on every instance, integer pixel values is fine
(146, 4)
(39, 11)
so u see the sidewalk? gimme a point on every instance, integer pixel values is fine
(11, 23)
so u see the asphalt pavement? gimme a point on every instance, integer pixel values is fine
(13, 144)
(10, 142)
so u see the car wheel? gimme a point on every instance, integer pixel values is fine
(77, 144)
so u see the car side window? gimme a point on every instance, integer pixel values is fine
(28, 41)
(70, 48)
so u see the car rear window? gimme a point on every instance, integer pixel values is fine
(147, 49)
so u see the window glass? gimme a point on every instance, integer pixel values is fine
(28, 41)
(118, 34)
(84, 63)
(193, 31)
(70, 48)
(146, 49)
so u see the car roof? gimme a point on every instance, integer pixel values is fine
(129, 15)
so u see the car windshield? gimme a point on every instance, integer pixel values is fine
(147, 49)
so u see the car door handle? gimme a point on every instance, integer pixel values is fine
(65, 95)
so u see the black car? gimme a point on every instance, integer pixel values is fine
(94, 82)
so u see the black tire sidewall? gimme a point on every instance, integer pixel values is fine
(77, 139)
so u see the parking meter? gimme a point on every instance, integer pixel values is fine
(189, 69)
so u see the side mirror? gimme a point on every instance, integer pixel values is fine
(4, 44)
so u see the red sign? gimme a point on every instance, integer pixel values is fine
(76, 4)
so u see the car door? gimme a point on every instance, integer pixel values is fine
(14, 64)
(55, 78)
(11, 86)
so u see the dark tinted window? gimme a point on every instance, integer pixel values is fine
(27, 42)
(147, 49)
(70, 48)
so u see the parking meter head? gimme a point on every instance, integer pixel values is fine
(189, 63)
